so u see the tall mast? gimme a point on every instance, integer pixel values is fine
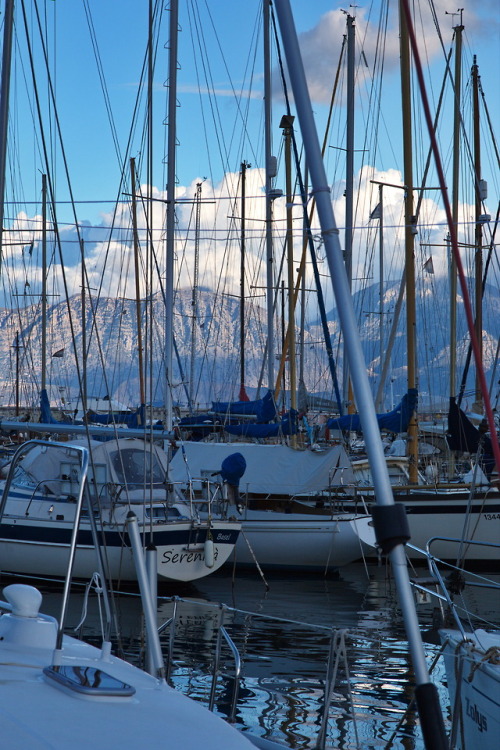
(84, 332)
(409, 236)
(287, 125)
(302, 398)
(170, 220)
(17, 348)
(138, 312)
(149, 212)
(44, 281)
(381, 282)
(480, 189)
(270, 173)
(349, 183)
(349, 179)
(4, 106)
(194, 295)
(243, 395)
(454, 208)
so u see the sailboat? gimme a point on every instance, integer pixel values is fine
(89, 697)
(471, 657)
(467, 507)
(473, 672)
(281, 528)
(128, 475)
(52, 682)
(432, 492)
(470, 643)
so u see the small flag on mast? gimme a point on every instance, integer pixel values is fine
(429, 265)
(376, 213)
(59, 353)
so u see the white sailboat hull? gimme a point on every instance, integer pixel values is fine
(38, 544)
(40, 512)
(91, 699)
(473, 673)
(300, 541)
(447, 513)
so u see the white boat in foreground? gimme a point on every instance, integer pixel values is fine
(125, 476)
(473, 672)
(58, 692)
(78, 696)
(470, 647)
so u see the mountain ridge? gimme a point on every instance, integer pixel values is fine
(214, 369)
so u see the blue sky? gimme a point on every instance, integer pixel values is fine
(220, 41)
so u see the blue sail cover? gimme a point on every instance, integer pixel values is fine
(396, 420)
(132, 419)
(264, 409)
(46, 412)
(287, 426)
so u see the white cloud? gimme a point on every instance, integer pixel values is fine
(110, 253)
(321, 45)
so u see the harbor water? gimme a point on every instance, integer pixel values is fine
(286, 629)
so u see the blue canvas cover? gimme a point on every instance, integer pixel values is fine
(232, 469)
(287, 426)
(396, 420)
(263, 409)
(132, 419)
(45, 410)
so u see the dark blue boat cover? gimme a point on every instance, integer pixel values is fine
(232, 469)
(463, 436)
(46, 412)
(396, 420)
(132, 419)
(287, 426)
(264, 409)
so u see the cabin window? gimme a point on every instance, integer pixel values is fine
(134, 466)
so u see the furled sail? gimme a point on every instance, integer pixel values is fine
(396, 420)
(263, 409)
(46, 412)
(288, 425)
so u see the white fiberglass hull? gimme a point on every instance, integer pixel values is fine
(92, 699)
(473, 673)
(301, 541)
(448, 513)
(38, 543)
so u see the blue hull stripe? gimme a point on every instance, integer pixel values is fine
(51, 535)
